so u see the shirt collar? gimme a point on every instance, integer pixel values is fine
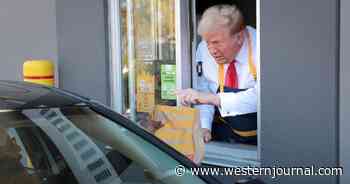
(242, 54)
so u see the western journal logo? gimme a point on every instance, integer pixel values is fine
(274, 172)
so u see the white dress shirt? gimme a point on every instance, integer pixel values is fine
(232, 104)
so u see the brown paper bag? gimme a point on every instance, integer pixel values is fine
(181, 130)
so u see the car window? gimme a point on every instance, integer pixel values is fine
(77, 145)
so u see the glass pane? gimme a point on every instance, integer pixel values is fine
(148, 31)
(76, 145)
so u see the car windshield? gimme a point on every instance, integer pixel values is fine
(76, 145)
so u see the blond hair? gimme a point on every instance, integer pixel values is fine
(221, 16)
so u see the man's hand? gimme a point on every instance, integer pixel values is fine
(206, 135)
(151, 126)
(191, 96)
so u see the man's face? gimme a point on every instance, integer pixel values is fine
(222, 45)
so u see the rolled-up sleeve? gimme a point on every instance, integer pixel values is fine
(233, 104)
(206, 115)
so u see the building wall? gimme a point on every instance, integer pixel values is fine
(344, 90)
(71, 33)
(299, 77)
(27, 31)
(82, 47)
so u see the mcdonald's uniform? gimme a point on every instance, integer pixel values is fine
(238, 106)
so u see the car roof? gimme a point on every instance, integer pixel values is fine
(23, 95)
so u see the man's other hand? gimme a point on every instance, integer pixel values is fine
(191, 96)
(206, 135)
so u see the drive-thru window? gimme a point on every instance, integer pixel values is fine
(153, 46)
